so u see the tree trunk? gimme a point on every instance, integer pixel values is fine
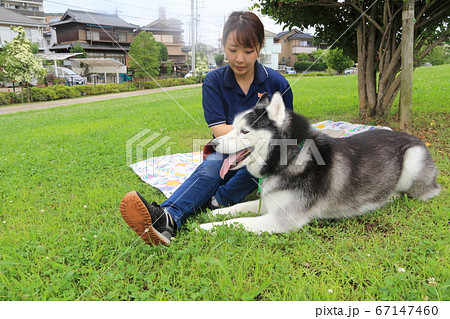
(407, 65)
(363, 113)
(378, 51)
(371, 70)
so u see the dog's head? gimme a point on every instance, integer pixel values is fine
(250, 141)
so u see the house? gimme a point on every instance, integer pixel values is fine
(101, 35)
(269, 53)
(294, 42)
(33, 9)
(209, 51)
(33, 29)
(169, 32)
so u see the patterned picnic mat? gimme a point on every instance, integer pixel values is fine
(168, 172)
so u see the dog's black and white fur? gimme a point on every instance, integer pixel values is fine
(328, 177)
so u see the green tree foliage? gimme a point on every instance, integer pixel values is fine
(370, 32)
(219, 59)
(18, 62)
(201, 63)
(34, 47)
(144, 53)
(302, 57)
(301, 66)
(77, 48)
(319, 55)
(163, 52)
(338, 61)
(439, 55)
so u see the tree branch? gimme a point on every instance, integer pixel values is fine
(432, 46)
(424, 9)
(436, 14)
(393, 63)
(371, 20)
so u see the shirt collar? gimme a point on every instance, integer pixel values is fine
(261, 75)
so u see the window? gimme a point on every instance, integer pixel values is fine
(33, 8)
(95, 55)
(120, 37)
(116, 56)
(14, 6)
(163, 38)
(93, 35)
(167, 39)
(304, 43)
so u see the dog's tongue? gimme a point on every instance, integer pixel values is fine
(230, 160)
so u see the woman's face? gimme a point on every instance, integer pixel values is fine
(241, 59)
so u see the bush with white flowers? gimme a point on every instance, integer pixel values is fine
(19, 64)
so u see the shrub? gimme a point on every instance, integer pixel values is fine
(338, 61)
(37, 94)
(83, 89)
(303, 57)
(66, 92)
(310, 66)
(112, 88)
(6, 98)
(61, 91)
(316, 74)
(311, 74)
(127, 86)
(49, 93)
(150, 85)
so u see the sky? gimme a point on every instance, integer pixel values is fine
(211, 13)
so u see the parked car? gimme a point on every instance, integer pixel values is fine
(212, 65)
(352, 70)
(68, 75)
(289, 70)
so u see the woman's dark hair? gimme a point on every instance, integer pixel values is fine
(249, 29)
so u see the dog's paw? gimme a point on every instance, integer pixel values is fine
(207, 226)
(220, 211)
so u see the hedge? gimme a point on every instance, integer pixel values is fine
(56, 92)
(311, 74)
(310, 66)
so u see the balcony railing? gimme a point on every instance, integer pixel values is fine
(31, 13)
(297, 50)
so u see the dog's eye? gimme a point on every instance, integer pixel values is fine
(243, 131)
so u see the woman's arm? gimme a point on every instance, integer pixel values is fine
(221, 129)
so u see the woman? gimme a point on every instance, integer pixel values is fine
(227, 91)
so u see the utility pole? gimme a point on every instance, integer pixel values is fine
(193, 35)
(407, 66)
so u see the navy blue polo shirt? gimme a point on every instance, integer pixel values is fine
(223, 98)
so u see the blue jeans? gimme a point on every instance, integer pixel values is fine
(205, 183)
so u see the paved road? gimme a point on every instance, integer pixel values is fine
(87, 99)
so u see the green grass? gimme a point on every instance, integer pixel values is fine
(63, 173)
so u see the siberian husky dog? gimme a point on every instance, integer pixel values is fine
(305, 174)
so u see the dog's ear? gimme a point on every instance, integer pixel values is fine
(276, 109)
(263, 101)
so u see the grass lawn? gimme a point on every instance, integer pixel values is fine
(63, 173)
